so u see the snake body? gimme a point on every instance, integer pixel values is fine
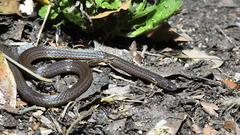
(81, 69)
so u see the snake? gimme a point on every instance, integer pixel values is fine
(68, 62)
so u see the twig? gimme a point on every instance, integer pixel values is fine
(65, 109)
(230, 101)
(32, 108)
(57, 125)
(86, 14)
(44, 22)
(79, 119)
(152, 54)
(133, 101)
(144, 50)
(27, 70)
(224, 34)
(182, 57)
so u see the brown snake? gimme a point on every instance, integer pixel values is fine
(81, 69)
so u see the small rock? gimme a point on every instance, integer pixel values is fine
(237, 77)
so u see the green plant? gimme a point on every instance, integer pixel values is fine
(137, 18)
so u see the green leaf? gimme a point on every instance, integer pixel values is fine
(140, 18)
(162, 11)
(76, 18)
(43, 10)
(108, 4)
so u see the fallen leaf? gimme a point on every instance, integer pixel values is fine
(9, 7)
(137, 57)
(165, 32)
(46, 122)
(45, 131)
(197, 55)
(37, 114)
(21, 103)
(207, 130)
(230, 84)
(7, 132)
(183, 37)
(199, 97)
(35, 125)
(114, 90)
(210, 108)
(8, 88)
(227, 101)
(159, 129)
(230, 125)
(124, 6)
(196, 129)
(112, 98)
(169, 126)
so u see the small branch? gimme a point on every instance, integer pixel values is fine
(181, 57)
(80, 118)
(65, 109)
(230, 101)
(44, 22)
(224, 34)
(27, 70)
(32, 108)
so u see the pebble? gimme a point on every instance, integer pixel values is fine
(237, 77)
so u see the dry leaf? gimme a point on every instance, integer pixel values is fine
(199, 97)
(46, 122)
(230, 84)
(21, 103)
(124, 6)
(137, 57)
(183, 37)
(121, 91)
(230, 126)
(230, 101)
(8, 88)
(209, 130)
(45, 131)
(196, 129)
(7, 132)
(159, 128)
(210, 108)
(197, 55)
(9, 7)
(112, 98)
(165, 32)
(169, 126)
(35, 125)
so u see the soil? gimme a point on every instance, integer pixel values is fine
(207, 100)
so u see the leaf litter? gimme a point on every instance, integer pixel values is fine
(8, 88)
(196, 55)
(197, 98)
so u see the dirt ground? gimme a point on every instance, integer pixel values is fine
(207, 76)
